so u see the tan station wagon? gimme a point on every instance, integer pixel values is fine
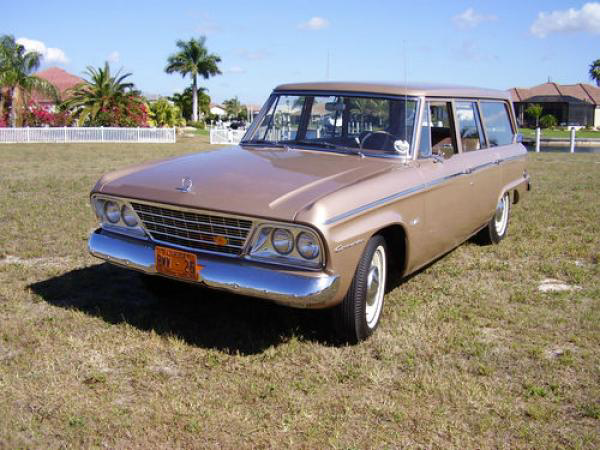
(332, 186)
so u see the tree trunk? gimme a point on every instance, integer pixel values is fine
(13, 107)
(194, 100)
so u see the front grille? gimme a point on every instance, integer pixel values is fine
(212, 233)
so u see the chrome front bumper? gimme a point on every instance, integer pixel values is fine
(228, 274)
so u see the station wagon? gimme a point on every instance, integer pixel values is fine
(334, 186)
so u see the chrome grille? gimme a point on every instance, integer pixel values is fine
(197, 231)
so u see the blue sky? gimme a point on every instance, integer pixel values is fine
(265, 43)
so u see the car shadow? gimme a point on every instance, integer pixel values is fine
(201, 317)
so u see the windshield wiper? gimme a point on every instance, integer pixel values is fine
(264, 143)
(324, 144)
(315, 143)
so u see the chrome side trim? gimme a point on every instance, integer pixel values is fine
(484, 166)
(511, 158)
(236, 276)
(418, 188)
(390, 198)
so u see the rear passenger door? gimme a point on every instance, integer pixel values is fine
(446, 197)
(481, 163)
(500, 132)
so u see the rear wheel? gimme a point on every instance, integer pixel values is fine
(497, 228)
(358, 316)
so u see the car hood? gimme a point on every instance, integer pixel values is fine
(265, 182)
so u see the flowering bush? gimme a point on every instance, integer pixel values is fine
(3, 122)
(38, 116)
(131, 111)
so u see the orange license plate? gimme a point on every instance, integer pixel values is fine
(176, 263)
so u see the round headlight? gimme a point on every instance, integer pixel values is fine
(307, 245)
(128, 216)
(99, 208)
(282, 240)
(112, 211)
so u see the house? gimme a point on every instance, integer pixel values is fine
(571, 104)
(61, 79)
(217, 110)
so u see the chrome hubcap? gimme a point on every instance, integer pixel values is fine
(501, 217)
(375, 287)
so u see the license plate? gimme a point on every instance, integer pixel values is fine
(176, 263)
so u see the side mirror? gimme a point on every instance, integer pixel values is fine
(402, 148)
(519, 138)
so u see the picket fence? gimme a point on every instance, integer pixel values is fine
(86, 134)
(226, 135)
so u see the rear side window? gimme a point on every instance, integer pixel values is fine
(469, 127)
(497, 123)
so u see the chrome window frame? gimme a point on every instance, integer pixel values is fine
(320, 93)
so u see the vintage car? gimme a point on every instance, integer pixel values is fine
(332, 187)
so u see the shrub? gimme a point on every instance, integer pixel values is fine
(199, 124)
(39, 116)
(130, 112)
(548, 121)
(165, 114)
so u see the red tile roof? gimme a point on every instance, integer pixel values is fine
(582, 91)
(61, 79)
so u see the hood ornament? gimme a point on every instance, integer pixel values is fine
(186, 185)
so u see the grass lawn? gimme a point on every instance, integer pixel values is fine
(469, 353)
(546, 133)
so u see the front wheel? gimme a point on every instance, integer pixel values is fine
(497, 228)
(357, 317)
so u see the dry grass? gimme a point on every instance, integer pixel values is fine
(469, 354)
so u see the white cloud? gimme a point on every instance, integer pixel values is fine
(585, 19)
(49, 54)
(235, 69)
(470, 19)
(113, 57)
(314, 23)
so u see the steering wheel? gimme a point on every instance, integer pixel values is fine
(373, 133)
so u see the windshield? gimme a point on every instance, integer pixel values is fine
(359, 123)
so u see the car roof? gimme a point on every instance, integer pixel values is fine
(412, 89)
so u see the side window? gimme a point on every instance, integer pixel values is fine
(469, 126)
(437, 131)
(497, 123)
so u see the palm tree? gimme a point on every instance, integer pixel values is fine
(100, 92)
(595, 71)
(185, 100)
(193, 59)
(16, 79)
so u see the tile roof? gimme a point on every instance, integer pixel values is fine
(581, 91)
(58, 77)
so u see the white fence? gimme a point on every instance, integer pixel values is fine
(86, 134)
(226, 136)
